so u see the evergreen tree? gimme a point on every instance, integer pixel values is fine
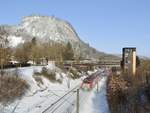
(68, 53)
(34, 41)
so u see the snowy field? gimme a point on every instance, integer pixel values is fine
(42, 96)
(95, 102)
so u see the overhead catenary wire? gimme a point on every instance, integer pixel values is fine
(60, 90)
(39, 103)
(63, 102)
(60, 98)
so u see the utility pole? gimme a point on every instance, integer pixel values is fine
(97, 86)
(68, 82)
(78, 104)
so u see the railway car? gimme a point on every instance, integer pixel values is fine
(89, 82)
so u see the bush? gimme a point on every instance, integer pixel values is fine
(116, 93)
(125, 95)
(11, 88)
(49, 74)
(147, 91)
(75, 73)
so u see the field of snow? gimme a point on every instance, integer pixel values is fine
(42, 96)
(38, 97)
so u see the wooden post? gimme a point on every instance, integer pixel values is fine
(78, 104)
(68, 82)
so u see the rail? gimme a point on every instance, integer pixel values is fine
(49, 108)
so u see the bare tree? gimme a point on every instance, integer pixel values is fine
(22, 53)
(4, 48)
(37, 53)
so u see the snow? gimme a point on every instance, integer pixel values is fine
(14, 62)
(44, 27)
(40, 96)
(96, 102)
(14, 40)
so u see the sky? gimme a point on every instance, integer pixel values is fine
(107, 25)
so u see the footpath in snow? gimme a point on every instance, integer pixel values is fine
(93, 101)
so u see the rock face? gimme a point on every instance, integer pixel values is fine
(49, 28)
(46, 28)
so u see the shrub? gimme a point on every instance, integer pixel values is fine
(125, 95)
(49, 74)
(11, 88)
(75, 73)
(147, 91)
(116, 93)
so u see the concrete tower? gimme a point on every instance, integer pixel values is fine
(129, 60)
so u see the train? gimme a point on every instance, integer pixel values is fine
(90, 82)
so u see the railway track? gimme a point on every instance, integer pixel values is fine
(64, 99)
(67, 103)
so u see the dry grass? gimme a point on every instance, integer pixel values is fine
(125, 95)
(116, 93)
(11, 88)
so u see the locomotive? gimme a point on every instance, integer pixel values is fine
(90, 82)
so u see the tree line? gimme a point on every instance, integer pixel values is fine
(33, 51)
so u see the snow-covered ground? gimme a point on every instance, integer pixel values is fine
(39, 96)
(95, 102)
(42, 96)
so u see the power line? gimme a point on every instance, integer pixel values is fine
(63, 103)
(60, 99)
(59, 96)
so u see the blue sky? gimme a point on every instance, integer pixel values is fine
(107, 25)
